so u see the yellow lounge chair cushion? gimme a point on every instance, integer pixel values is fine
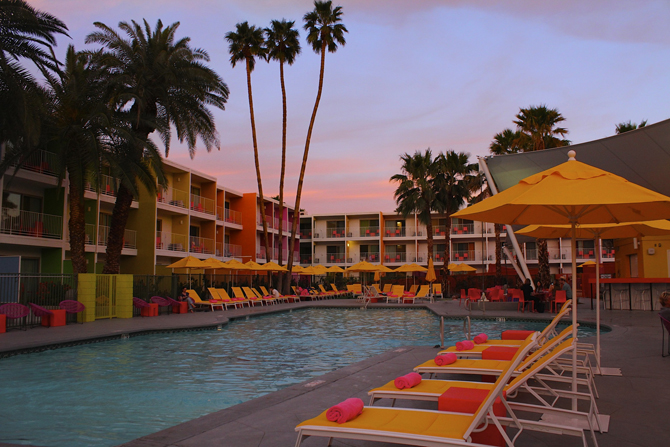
(489, 365)
(437, 387)
(425, 423)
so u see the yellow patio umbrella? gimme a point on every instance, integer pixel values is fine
(188, 263)
(410, 268)
(297, 269)
(335, 269)
(273, 267)
(236, 265)
(463, 267)
(251, 265)
(307, 271)
(430, 274)
(603, 231)
(363, 266)
(587, 263)
(571, 193)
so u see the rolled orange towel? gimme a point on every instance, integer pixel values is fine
(445, 359)
(407, 381)
(464, 345)
(345, 411)
(481, 338)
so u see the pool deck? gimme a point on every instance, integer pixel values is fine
(636, 402)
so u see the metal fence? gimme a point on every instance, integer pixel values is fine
(44, 290)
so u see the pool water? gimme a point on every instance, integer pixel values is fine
(108, 393)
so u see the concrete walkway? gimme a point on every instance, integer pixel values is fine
(636, 401)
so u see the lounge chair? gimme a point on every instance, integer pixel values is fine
(413, 289)
(325, 292)
(198, 303)
(419, 427)
(387, 288)
(431, 390)
(491, 367)
(437, 290)
(222, 298)
(548, 331)
(239, 297)
(396, 294)
(341, 292)
(422, 293)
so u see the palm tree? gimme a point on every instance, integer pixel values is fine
(539, 124)
(246, 44)
(283, 45)
(324, 32)
(156, 81)
(415, 192)
(25, 34)
(507, 142)
(627, 127)
(454, 175)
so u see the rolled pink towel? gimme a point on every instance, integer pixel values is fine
(407, 381)
(464, 345)
(445, 359)
(481, 338)
(345, 411)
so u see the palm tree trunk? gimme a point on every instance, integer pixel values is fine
(77, 229)
(117, 228)
(282, 173)
(447, 246)
(294, 227)
(497, 230)
(429, 229)
(543, 261)
(258, 165)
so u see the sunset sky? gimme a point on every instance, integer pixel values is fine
(413, 75)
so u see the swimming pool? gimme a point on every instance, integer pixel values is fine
(104, 394)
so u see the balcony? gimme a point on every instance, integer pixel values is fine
(531, 254)
(395, 257)
(586, 253)
(394, 232)
(129, 237)
(232, 216)
(463, 255)
(42, 162)
(369, 232)
(370, 256)
(171, 241)
(32, 224)
(607, 253)
(335, 258)
(419, 258)
(261, 254)
(268, 219)
(439, 230)
(202, 204)
(200, 245)
(232, 251)
(335, 233)
(305, 259)
(108, 186)
(463, 229)
(172, 196)
(305, 234)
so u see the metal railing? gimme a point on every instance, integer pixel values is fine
(232, 216)
(463, 255)
(172, 196)
(305, 259)
(29, 223)
(335, 232)
(394, 232)
(268, 219)
(531, 254)
(261, 253)
(607, 253)
(335, 258)
(171, 241)
(439, 230)
(41, 161)
(395, 257)
(202, 204)
(129, 237)
(369, 231)
(305, 234)
(46, 290)
(200, 245)
(370, 256)
(463, 229)
(232, 251)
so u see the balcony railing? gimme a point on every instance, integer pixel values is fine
(305, 259)
(439, 230)
(531, 254)
(129, 237)
(305, 234)
(335, 258)
(369, 232)
(556, 254)
(200, 245)
(463, 229)
(608, 253)
(29, 223)
(41, 161)
(335, 232)
(108, 185)
(463, 255)
(268, 219)
(370, 256)
(261, 253)
(232, 216)
(395, 257)
(395, 232)
(174, 197)
(171, 241)
(232, 251)
(419, 258)
(202, 204)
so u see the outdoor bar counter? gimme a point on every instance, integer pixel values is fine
(632, 293)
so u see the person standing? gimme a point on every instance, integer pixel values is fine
(527, 290)
(664, 299)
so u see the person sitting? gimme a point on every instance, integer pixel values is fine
(275, 293)
(527, 290)
(566, 287)
(664, 299)
(185, 297)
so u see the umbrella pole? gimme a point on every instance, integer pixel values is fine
(573, 248)
(598, 304)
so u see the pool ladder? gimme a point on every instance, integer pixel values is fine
(466, 329)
